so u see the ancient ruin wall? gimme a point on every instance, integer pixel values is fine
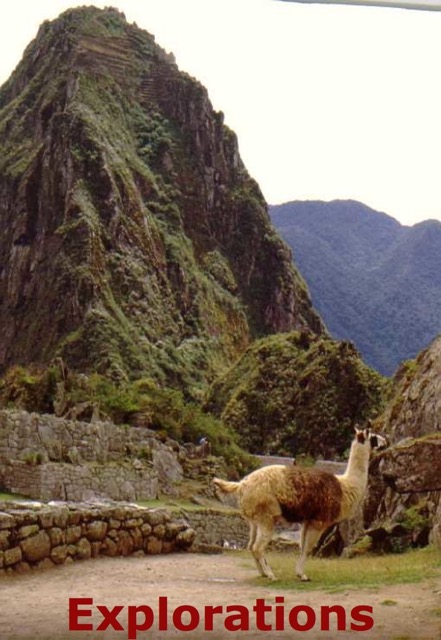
(34, 536)
(48, 458)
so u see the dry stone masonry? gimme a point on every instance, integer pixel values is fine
(48, 458)
(216, 527)
(33, 535)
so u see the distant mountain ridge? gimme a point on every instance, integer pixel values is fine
(374, 281)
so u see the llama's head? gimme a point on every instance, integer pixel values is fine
(370, 439)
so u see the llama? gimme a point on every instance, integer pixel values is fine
(315, 498)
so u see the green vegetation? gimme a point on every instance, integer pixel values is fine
(415, 518)
(179, 506)
(298, 393)
(151, 249)
(363, 572)
(140, 403)
(11, 497)
(154, 263)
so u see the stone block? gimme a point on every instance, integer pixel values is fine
(137, 538)
(96, 530)
(28, 530)
(155, 516)
(125, 543)
(185, 539)
(12, 556)
(152, 545)
(46, 518)
(84, 549)
(6, 520)
(159, 531)
(44, 564)
(146, 529)
(73, 534)
(61, 517)
(4, 539)
(127, 491)
(74, 517)
(173, 528)
(59, 554)
(131, 523)
(109, 547)
(57, 536)
(36, 547)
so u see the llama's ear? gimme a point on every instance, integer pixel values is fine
(356, 429)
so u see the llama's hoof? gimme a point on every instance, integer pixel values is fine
(304, 578)
(271, 576)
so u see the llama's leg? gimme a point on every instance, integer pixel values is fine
(309, 538)
(263, 537)
(253, 533)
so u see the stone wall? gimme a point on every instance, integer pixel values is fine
(216, 527)
(33, 535)
(61, 481)
(48, 458)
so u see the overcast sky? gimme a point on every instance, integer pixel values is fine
(328, 101)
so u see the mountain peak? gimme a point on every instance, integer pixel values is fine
(133, 239)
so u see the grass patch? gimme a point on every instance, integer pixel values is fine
(11, 497)
(182, 504)
(371, 572)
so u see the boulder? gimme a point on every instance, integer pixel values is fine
(404, 494)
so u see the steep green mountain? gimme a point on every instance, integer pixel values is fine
(132, 239)
(297, 393)
(374, 281)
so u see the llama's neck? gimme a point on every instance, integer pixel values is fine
(354, 479)
(358, 463)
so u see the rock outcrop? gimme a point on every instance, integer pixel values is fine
(415, 408)
(404, 494)
(132, 239)
(404, 497)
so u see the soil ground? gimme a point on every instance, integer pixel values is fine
(35, 605)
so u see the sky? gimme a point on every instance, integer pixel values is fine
(327, 101)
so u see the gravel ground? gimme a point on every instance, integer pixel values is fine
(36, 605)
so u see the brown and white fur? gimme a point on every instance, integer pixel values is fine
(317, 499)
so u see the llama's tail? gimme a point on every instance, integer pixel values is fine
(226, 486)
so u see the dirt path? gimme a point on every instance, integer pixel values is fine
(36, 605)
